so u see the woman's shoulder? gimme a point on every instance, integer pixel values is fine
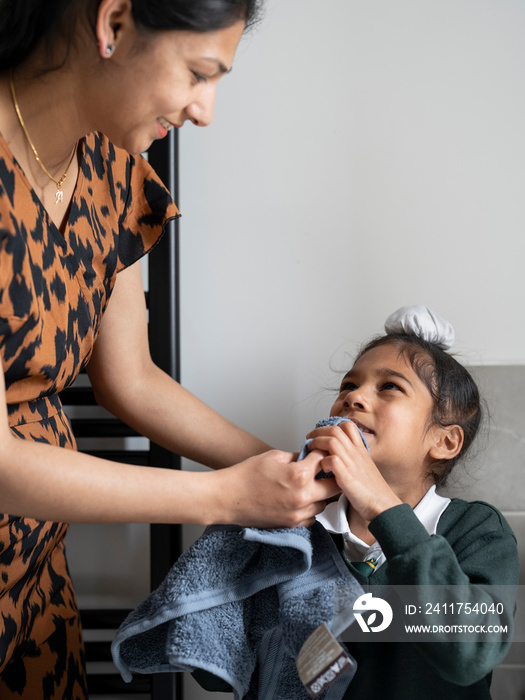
(101, 155)
(129, 179)
(126, 190)
(103, 162)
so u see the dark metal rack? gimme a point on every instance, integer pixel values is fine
(165, 540)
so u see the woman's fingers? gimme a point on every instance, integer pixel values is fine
(271, 490)
(315, 491)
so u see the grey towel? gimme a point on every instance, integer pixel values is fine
(239, 604)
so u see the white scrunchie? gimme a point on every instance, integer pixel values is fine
(421, 321)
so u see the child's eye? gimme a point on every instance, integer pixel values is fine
(391, 386)
(347, 386)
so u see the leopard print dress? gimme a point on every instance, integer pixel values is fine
(53, 291)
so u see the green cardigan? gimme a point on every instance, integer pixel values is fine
(473, 545)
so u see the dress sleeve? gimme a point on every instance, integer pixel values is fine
(148, 208)
(475, 557)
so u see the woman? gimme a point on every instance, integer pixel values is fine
(83, 84)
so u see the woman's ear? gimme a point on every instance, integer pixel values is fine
(113, 16)
(448, 442)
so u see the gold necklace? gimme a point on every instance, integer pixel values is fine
(59, 195)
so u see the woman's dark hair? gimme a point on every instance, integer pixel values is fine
(25, 23)
(195, 15)
(454, 392)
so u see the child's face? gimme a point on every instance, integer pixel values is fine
(385, 398)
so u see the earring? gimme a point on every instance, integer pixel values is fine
(110, 48)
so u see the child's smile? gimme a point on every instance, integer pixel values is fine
(363, 428)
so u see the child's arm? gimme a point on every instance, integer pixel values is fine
(477, 550)
(474, 559)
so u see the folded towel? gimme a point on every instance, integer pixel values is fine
(239, 604)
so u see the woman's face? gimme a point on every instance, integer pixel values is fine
(160, 79)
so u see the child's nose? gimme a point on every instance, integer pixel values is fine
(356, 398)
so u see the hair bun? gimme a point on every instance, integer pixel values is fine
(421, 321)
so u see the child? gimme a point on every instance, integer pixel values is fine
(409, 410)
(419, 410)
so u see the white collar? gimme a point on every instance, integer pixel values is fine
(334, 519)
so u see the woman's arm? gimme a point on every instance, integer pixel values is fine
(51, 483)
(133, 388)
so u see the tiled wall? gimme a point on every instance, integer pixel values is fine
(496, 474)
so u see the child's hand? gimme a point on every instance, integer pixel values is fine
(354, 469)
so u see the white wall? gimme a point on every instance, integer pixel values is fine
(363, 155)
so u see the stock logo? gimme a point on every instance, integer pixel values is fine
(368, 605)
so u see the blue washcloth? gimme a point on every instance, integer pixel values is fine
(239, 604)
(333, 420)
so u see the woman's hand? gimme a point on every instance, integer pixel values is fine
(354, 469)
(270, 490)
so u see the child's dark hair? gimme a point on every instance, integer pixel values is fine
(454, 392)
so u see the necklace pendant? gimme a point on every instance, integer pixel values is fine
(59, 195)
